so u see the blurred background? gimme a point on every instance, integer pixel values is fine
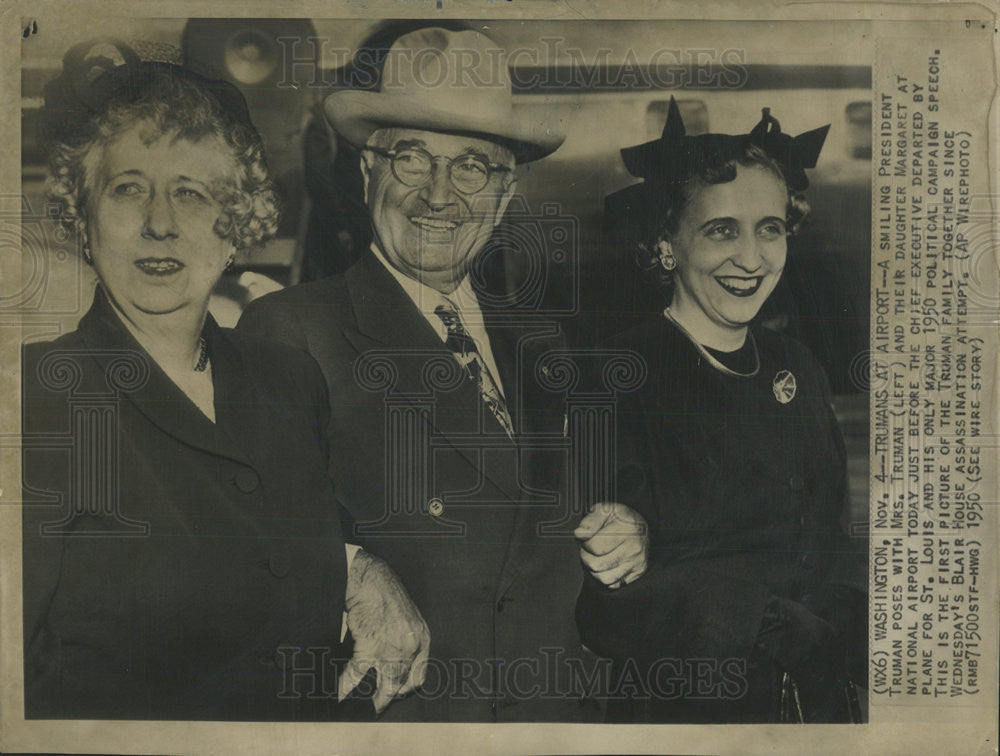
(610, 81)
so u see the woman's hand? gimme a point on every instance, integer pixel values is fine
(614, 541)
(389, 632)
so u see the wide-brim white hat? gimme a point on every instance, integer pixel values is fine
(452, 82)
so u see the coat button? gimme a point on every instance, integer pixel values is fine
(436, 507)
(278, 566)
(246, 480)
(795, 483)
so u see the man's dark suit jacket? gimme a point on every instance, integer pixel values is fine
(200, 593)
(437, 489)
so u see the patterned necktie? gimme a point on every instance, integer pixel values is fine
(464, 349)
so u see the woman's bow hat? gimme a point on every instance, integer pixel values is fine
(99, 72)
(675, 157)
(457, 82)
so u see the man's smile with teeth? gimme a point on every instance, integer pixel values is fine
(433, 224)
(739, 286)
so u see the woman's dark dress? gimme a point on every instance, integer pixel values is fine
(743, 484)
(220, 570)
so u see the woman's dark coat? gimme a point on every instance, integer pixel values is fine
(181, 569)
(743, 484)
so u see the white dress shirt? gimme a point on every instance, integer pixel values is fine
(463, 301)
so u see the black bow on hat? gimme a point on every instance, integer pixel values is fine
(675, 157)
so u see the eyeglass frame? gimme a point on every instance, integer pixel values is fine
(491, 168)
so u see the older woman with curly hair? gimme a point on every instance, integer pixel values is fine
(189, 563)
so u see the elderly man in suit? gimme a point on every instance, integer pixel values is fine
(439, 413)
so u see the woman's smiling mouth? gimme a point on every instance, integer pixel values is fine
(740, 286)
(159, 266)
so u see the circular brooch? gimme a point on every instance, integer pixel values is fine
(784, 386)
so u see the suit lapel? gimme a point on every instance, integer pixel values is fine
(518, 355)
(536, 412)
(387, 319)
(504, 345)
(383, 312)
(517, 349)
(158, 398)
(240, 400)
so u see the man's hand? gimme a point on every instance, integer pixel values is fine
(389, 633)
(614, 540)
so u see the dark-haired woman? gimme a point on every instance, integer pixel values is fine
(753, 604)
(189, 562)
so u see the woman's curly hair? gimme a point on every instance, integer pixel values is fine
(178, 106)
(676, 197)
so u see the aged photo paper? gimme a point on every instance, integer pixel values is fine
(482, 260)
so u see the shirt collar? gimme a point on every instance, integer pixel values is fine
(463, 299)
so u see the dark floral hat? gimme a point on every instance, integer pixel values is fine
(675, 157)
(98, 73)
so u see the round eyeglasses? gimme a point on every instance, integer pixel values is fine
(413, 167)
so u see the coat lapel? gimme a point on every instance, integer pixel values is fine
(387, 319)
(382, 311)
(241, 401)
(158, 398)
(536, 413)
(531, 419)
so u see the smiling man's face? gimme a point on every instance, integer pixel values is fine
(432, 232)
